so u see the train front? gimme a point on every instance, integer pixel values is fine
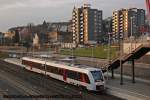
(98, 81)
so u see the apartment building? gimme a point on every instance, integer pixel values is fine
(86, 25)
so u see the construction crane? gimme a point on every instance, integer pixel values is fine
(148, 8)
(148, 14)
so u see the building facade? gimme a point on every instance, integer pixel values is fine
(127, 22)
(2, 38)
(86, 25)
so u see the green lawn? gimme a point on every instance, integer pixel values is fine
(3, 55)
(98, 52)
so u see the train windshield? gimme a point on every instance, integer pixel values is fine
(97, 75)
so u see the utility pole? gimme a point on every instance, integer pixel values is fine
(121, 54)
(109, 54)
(131, 37)
(92, 54)
(121, 66)
(133, 71)
(72, 55)
(45, 67)
(131, 32)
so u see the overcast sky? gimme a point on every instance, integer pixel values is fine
(21, 12)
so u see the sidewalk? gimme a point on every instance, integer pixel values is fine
(129, 91)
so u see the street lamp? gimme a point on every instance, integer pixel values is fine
(131, 35)
(92, 54)
(72, 55)
(133, 30)
(120, 58)
(121, 35)
(45, 67)
(109, 55)
(22, 50)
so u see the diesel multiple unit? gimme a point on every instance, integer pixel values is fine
(80, 75)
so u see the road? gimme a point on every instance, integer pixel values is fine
(19, 81)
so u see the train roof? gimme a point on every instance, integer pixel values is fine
(74, 67)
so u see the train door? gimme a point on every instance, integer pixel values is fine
(30, 67)
(30, 64)
(83, 78)
(64, 74)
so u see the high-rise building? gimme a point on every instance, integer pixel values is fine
(127, 22)
(86, 25)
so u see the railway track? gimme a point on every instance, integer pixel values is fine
(48, 86)
(36, 79)
(3, 92)
(18, 85)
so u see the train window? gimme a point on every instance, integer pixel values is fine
(54, 70)
(38, 65)
(72, 74)
(97, 75)
(60, 71)
(78, 77)
(48, 68)
(24, 62)
(34, 64)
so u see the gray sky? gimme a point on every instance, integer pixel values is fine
(21, 12)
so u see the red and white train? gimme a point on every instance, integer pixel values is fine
(90, 78)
